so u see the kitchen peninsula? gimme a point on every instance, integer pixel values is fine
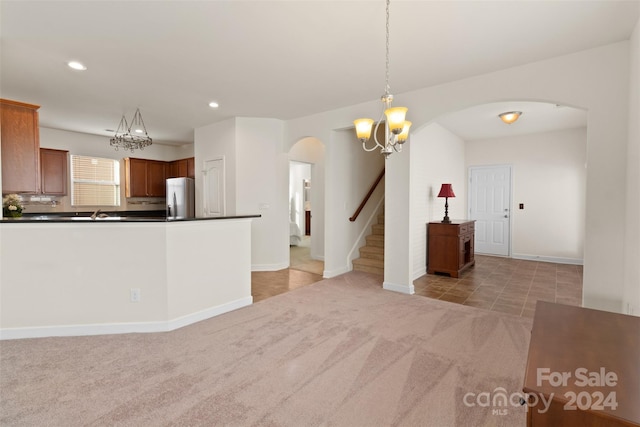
(65, 276)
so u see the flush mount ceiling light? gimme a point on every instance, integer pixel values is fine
(76, 65)
(510, 116)
(396, 128)
(213, 104)
(124, 138)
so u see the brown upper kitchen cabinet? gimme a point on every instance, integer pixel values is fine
(191, 168)
(53, 172)
(145, 178)
(181, 168)
(20, 147)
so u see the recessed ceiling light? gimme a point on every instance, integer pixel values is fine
(76, 65)
(213, 104)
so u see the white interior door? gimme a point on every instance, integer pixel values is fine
(490, 202)
(214, 187)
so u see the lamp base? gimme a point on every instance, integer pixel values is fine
(446, 220)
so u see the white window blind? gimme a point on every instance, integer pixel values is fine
(95, 181)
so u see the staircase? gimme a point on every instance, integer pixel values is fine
(372, 254)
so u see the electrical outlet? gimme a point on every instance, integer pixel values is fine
(135, 295)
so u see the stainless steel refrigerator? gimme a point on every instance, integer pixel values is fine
(180, 198)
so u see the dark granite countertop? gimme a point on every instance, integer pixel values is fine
(122, 216)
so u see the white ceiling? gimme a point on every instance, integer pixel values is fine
(482, 121)
(278, 59)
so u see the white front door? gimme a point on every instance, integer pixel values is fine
(489, 205)
(214, 187)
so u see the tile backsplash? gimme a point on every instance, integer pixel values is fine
(63, 204)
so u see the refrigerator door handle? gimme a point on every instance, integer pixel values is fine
(175, 204)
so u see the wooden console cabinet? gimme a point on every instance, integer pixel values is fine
(450, 247)
(584, 364)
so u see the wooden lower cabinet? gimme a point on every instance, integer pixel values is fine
(450, 247)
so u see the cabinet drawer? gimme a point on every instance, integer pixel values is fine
(438, 229)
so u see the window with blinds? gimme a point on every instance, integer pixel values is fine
(95, 181)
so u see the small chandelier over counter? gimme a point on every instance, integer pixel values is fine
(129, 139)
(396, 127)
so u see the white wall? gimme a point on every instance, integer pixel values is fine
(76, 278)
(262, 176)
(437, 157)
(549, 177)
(211, 142)
(596, 80)
(632, 233)
(351, 178)
(94, 145)
(256, 182)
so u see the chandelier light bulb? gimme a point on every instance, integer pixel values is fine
(402, 138)
(395, 119)
(363, 129)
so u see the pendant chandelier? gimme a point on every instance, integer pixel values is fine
(396, 127)
(131, 137)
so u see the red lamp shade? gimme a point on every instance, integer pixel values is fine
(446, 191)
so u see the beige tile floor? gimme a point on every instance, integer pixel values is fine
(506, 285)
(498, 284)
(303, 271)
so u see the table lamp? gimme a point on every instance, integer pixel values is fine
(446, 191)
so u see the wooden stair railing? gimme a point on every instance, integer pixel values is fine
(366, 198)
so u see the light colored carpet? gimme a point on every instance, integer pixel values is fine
(340, 352)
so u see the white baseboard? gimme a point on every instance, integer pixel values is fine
(420, 272)
(328, 274)
(556, 260)
(122, 328)
(208, 313)
(405, 289)
(269, 267)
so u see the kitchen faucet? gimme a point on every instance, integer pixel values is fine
(97, 214)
